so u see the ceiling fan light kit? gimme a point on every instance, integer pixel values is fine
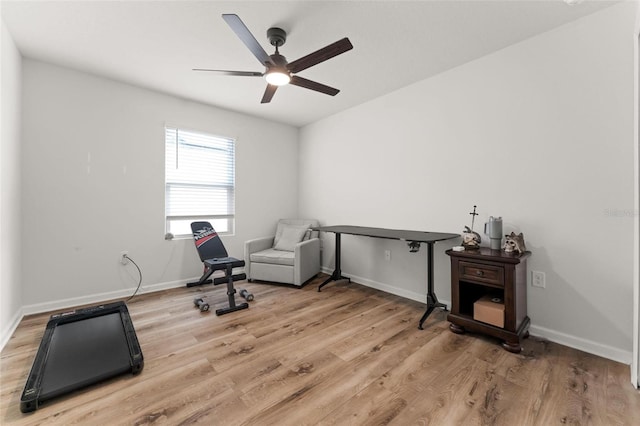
(278, 71)
(277, 77)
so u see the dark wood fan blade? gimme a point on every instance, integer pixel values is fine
(268, 93)
(247, 38)
(308, 84)
(235, 73)
(321, 55)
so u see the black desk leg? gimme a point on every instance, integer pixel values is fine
(337, 272)
(432, 299)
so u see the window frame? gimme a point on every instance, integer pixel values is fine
(229, 217)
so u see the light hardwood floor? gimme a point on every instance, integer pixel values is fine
(347, 356)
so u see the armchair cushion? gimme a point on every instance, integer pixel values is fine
(282, 225)
(273, 256)
(289, 237)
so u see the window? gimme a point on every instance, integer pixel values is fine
(199, 181)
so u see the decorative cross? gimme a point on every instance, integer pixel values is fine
(473, 216)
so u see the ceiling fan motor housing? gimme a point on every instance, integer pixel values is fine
(278, 60)
(277, 36)
(278, 71)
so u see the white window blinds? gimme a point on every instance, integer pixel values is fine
(200, 181)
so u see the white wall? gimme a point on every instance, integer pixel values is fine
(635, 374)
(540, 133)
(93, 184)
(10, 237)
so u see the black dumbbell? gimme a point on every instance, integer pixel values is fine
(247, 296)
(201, 304)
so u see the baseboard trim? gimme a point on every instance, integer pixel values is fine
(8, 331)
(407, 294)
(595, 348)
(39, 308)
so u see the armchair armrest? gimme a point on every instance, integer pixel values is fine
(307, 259)
(256, 245)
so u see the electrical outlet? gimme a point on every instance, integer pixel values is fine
(538, 279)
(124, 257)
(387, 255)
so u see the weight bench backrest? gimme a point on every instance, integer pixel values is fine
(208, 243)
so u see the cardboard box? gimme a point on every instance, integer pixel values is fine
(489, 309)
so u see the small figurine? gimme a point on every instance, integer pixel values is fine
(470, 239)
(514, 243)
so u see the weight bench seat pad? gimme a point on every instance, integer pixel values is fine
(222, 262)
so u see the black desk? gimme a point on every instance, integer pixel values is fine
(413, 238)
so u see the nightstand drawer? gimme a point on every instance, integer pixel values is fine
(481, 273)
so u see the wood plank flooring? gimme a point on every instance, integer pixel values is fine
(347, 356)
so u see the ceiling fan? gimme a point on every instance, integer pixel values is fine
(278, 71)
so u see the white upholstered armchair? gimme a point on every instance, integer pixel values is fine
(292, 256)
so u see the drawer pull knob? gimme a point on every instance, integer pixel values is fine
(479, 273)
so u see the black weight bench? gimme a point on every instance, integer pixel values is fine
(215, 258)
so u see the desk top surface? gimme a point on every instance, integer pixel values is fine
(392, 234)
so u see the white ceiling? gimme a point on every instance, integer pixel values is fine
(155, 44)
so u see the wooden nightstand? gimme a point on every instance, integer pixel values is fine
(482, 272)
